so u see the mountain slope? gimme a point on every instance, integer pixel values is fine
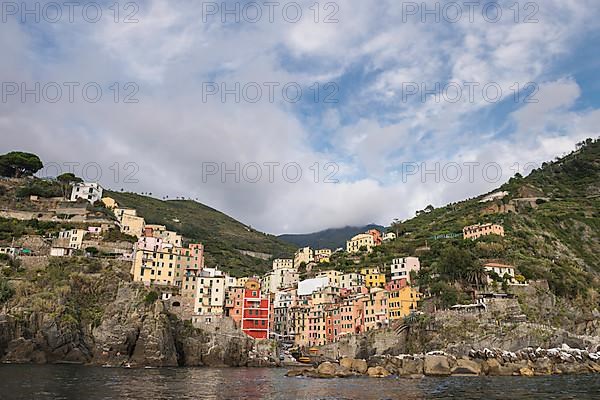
(551, 220)
(222, 236)
(329, 238)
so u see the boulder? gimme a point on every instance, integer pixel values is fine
(594, 367)
(491, 367)
(411, 366)
(327, 370)
(542, 366)
(347, 363)
(436, 365)
(466, 367)
(359, 366)
(377, 372)
(526, 371)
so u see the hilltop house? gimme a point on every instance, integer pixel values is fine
(91, 192)
(477, 231)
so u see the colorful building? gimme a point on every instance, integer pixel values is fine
(377, 239)
(255, 312)
(402, 267)
(373, 277)
(360, 241)
(322, 255)
(375, 309)
(304, 255)
(403, 300)
(477, 231)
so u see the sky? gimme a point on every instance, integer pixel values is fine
(294, 117)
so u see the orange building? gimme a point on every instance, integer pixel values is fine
(234, 304)
(377, 239)
(477, 231)
(255, 311)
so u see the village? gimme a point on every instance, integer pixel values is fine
(297, 302)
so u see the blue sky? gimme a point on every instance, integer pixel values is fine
(371, 137)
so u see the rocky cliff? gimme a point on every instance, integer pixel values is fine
(80, 312)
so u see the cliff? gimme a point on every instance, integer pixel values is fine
(64, 313)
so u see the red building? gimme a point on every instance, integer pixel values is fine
(255, 311)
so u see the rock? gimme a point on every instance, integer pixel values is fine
(466, 367)
(359, 366)
(436, 365)
(594, 367)
(299, 372)
(377, 372)
(347, 363)
(411, 366)
(542, 366)
(491, 367)
(526, 371)
(327, 370)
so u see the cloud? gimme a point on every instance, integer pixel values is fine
(372, 137)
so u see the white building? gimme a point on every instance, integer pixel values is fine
(401, 267)
(283, 263)
(389, 236)
(352, 281)
(210, 292)
(501, 270)
(10, 251)
(308, 286)
(280, 278)
(91, 192)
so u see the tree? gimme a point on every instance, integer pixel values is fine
(66, 180)
(17, 164)
(477, 275)
(455, 263)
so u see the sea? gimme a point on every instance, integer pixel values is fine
(95, 383)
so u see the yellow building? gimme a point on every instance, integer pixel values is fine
(109, 203)
(322, 255)
(333, 276)
(402, 302)
(373, 277)
(362, 240)
(132, 225)
(157, 267)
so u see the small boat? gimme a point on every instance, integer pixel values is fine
(305, 360)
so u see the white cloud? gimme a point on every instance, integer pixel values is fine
(172, 132)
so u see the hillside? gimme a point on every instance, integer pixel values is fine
(552, 225)
(330, 238)
(222, 236)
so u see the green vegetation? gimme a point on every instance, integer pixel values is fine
(557, 238)
(17, 164)
(221, 235)
(151, 297)
(40, 188)
(6, 291)
(115, 235)
(66, 182)
(14, 228)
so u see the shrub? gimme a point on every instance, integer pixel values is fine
(6, 291)
(151, 297)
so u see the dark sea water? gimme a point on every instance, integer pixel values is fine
(75, 382)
